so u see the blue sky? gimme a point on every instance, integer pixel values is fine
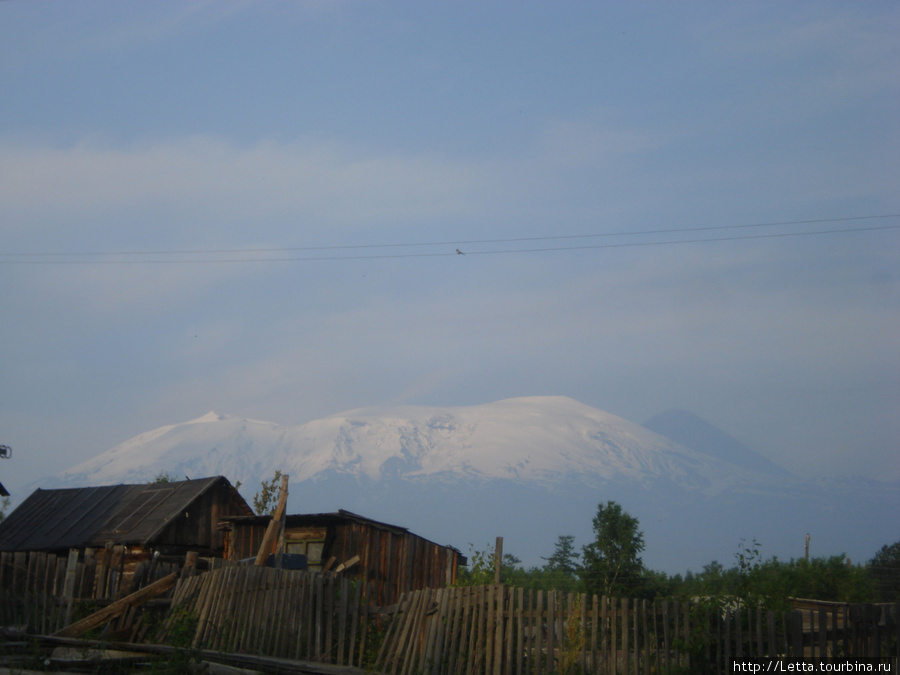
(254, 208)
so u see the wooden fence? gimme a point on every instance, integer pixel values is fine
(46, 591)
(279, 613)
(469, 630)
(507, 631)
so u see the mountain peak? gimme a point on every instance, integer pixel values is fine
(211, 416)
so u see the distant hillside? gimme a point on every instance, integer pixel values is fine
(696, 433)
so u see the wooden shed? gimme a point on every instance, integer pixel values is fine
(392, 560)
(171, 518)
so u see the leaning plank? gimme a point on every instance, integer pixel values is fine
(116, 608)
(346, 565)
(265, 548)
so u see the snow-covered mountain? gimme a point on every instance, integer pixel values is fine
(539, 440)
(528, 469)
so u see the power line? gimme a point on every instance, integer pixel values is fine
(464, 241)
(28, 258)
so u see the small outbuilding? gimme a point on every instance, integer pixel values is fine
(169, 517)
(390, 559)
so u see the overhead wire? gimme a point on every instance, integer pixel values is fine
(81, 258)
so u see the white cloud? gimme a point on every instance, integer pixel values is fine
(312, 182)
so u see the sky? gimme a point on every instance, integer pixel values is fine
(255, 208)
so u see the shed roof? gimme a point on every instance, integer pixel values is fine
(125, 514)
(326, 519)
(313, 519)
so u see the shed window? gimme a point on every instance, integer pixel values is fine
(311, 548)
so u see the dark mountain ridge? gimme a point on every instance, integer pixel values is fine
(694, 432)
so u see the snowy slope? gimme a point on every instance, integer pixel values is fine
(536, 439)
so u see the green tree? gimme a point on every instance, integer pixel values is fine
(564, 558)
(771, 583)
(480, 570)
(748, 562)
(164, 477)
(561, 570)
(832, 578)
(712, 581)
(884, 571)
(266, 500)
(611, 564)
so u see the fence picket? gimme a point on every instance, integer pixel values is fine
(636, 660)
(459, 644)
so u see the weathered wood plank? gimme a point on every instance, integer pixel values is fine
(257, 605)
(615, 618)
(113, 610)
(796, 634)
(406, 653)
(354, 618)
(432, 629)
(274, 527)
(285, 617)
(506, 615)
(419, 632)
(328, 616)
(457, 633)
(636, 616)
(490, 636)
(216, 591)
(342, 609)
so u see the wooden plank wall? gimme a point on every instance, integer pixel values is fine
(394, 563)
(391, 563)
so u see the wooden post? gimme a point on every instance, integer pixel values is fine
(498, 559)
(190, 564)
(279, 547)
(274, 525)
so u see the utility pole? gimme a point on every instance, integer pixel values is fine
(5, 453)
(806, 555)
(498, 559)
